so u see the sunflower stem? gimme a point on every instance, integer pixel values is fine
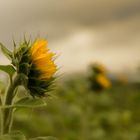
(7, 116)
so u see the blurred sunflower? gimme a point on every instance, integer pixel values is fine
(98, 78)
(103, 81)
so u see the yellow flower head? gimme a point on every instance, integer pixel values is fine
(42, 59)
(35, 62)
(103, 81)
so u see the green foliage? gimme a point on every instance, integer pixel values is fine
(44, 138)
(27, 102)
(13, 136)
(77, 113)
(9, 69)
(6, 52)
(30, 103)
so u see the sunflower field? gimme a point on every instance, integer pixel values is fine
(75, 112)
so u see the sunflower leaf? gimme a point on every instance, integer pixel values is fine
(44, 138)
(27, 102)
(13, 136)
(6, 106)
(8, 69)
(6, 52)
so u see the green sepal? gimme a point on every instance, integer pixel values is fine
(24, 47)
(21, 51)
(44, 138)
(6, 52)
(40, 83)
(37, 91)
(13, 136)
(14, 60)
(34, 72)
(24, 68)
(8, 69)
(26, 58)
(39, 87)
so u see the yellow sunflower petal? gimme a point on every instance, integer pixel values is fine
(43, 59)
(39, 45)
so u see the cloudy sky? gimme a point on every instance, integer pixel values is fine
(79, 31)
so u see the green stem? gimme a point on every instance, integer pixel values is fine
(1, 116)
(8, 112)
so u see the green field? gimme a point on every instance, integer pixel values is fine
(75, 112)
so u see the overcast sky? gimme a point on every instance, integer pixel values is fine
(81, 32)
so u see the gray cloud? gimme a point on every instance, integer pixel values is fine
(78, 11)
(96, 29)
(60, 18)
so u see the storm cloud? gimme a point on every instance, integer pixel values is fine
(93, 30)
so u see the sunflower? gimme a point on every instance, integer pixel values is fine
(37, 63)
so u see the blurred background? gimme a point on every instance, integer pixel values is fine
(82, 33)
